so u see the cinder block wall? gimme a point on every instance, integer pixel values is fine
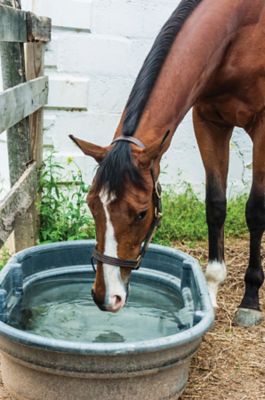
(97, 48)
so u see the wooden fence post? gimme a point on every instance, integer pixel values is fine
(25, 138)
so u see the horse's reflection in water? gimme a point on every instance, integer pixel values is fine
(109, 337)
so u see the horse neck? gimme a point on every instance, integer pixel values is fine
(195, 54)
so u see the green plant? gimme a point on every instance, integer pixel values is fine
(63, 211)
(184, 218)
(235, 225)
(4, 256)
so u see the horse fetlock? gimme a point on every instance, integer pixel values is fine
(216, 271)
(215, 275)
(250, 300)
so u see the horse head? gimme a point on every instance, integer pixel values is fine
(124, 199)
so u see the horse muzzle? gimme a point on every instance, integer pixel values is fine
(112, 304)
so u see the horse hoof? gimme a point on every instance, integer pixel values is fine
(247, 317)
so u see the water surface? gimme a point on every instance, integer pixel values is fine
(65, 310)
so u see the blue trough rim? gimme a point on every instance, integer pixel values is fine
(56, 345)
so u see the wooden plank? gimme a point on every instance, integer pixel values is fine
(22, 100)
(13, 25)
(39, 28)
(13, 73)
(17, 202)
(21, 26)
(34, 64)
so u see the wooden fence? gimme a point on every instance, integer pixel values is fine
(22, 39)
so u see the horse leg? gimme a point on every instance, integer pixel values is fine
(249, 312)
(213, 140)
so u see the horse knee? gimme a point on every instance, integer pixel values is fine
(216, 211)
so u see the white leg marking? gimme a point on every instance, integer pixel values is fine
(215, 274)
(112, 277)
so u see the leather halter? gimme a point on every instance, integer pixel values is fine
(135, 264)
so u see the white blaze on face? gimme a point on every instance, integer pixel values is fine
(215, 275)
(113, 283)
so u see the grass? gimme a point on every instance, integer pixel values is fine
(184, 218)
(4, 256)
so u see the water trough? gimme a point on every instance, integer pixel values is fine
(116, 363)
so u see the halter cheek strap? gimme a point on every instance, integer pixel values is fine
(135, 264)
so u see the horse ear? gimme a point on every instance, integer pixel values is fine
(90, 149)
(155, 150)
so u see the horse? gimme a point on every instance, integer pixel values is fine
(209, 56)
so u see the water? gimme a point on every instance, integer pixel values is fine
(64, 310)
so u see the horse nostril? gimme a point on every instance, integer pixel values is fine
(117, 300)
(115, 303)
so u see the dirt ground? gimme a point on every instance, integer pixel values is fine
(230, 364)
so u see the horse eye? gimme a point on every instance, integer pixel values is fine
(141, 216)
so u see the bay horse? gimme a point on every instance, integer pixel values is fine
(209, 55)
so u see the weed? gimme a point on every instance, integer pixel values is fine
(63, 211)
(184, 218)
(235, 225)
(4, 256)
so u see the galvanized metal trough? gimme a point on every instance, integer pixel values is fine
(41, 368)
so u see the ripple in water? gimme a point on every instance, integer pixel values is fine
(66, 311)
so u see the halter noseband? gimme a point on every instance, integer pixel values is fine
(135, 264)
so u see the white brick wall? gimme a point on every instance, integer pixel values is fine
(74, 14)
(68, 92)
(96, 51)
(94, 54)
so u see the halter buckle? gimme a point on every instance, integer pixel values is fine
(158, 214)
(138, 260)
(158, 189)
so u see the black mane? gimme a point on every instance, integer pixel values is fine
(152, 65)
(118, 164)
